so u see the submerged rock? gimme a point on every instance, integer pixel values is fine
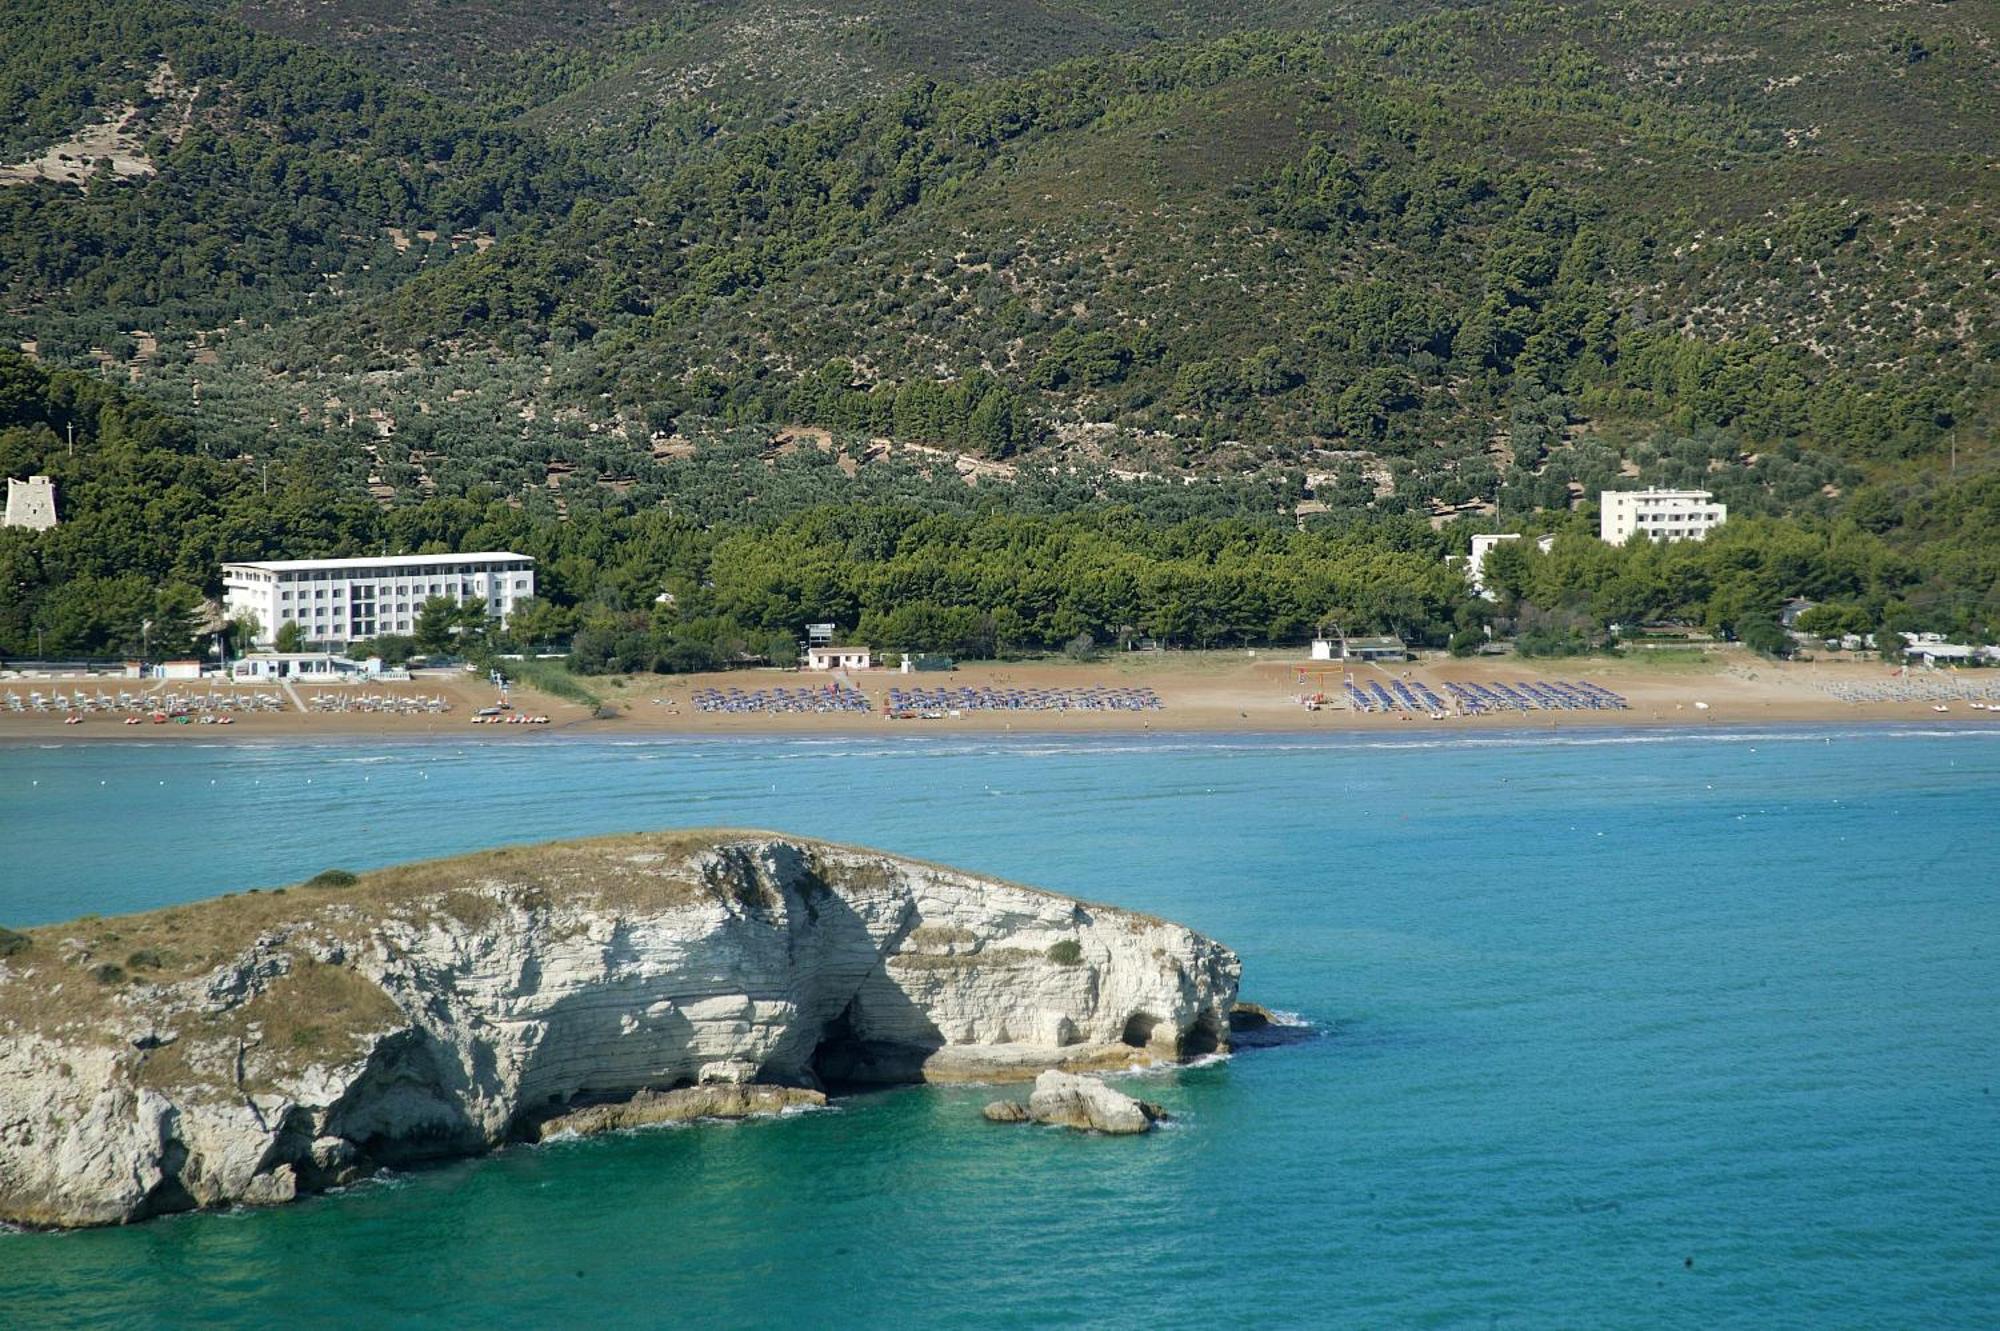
(442, 1009)
(1070, 1101)
(1025, 1062)
(647, 1108)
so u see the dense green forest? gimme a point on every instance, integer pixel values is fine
(695, 582)
(1266, 309)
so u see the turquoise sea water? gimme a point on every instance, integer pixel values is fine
(1586, 1010)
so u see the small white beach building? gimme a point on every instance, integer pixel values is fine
(830, 657)
(314, 667)
(1360, 649)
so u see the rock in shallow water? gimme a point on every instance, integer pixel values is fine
(1005, 1111)
(730, 1100)
(1250, 1017)
(1070, 1101)
(442, 1009)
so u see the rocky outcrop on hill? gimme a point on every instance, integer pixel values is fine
(252, 1048)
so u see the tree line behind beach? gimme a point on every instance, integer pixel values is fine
(149, 517)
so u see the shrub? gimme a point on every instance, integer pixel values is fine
(550, 677)
(1552, 642)
(1761, 635)
(1067, 952)
(108, 973)
(331, 878)
(12, 943)
(145, 958)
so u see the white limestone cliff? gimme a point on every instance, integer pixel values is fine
(245, 1050)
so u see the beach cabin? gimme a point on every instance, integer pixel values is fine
(1359, 649)
(1377, 649)
(830, 657)
(179, 670)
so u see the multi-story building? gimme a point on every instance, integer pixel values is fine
(338, 601)
(1484, 545)
(1663, 515)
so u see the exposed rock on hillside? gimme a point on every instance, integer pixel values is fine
(248, 1049)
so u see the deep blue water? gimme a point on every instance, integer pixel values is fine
(1589, 1009)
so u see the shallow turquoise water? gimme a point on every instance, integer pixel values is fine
(1589, 1009)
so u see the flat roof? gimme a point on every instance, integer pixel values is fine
(292, 656)
(370, 561)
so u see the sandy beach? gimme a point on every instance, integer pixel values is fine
(1261, 692)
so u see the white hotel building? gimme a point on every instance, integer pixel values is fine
(1663, 515)
(338, 601)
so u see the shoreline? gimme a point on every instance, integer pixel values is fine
(1333, 738)
(1500, 728)
(1233, 693)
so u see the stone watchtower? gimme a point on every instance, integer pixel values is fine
(31, 503)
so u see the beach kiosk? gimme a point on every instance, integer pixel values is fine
(832, 657)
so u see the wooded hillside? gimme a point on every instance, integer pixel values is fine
(724, 263)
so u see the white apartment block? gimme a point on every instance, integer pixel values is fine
(1663, 515)
(338, 601)
(1484, 545)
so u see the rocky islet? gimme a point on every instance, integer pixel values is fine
(1070, 1100)
(252, 1048)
